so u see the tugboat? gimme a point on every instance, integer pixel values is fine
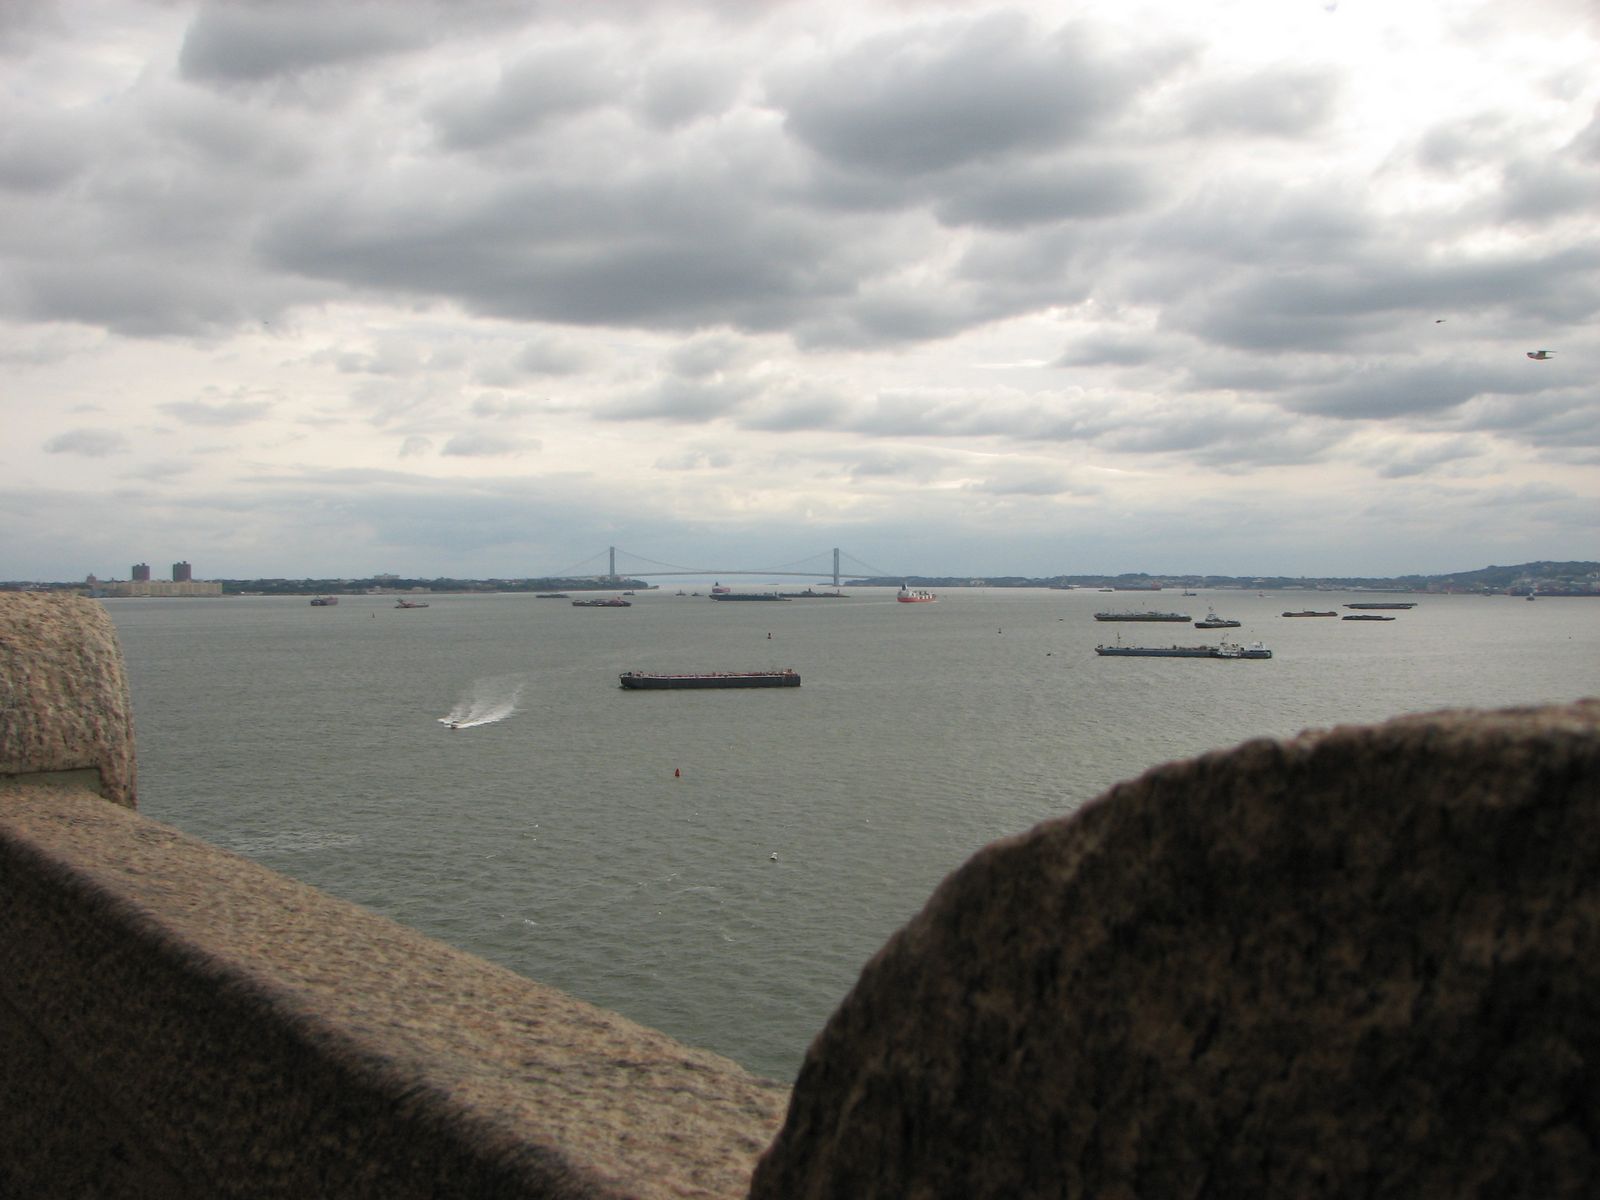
(324, 601)
(1213, 621)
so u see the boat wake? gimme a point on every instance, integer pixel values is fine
(489, 700)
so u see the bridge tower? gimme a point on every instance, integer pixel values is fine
(836, 568)
(612, 563)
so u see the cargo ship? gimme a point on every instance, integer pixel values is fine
(651, 681)
(911, 595)
(1141, 616)
(1223, 650)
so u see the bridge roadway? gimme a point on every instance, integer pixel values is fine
(669, 570)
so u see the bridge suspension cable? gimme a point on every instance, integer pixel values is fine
(825, 563)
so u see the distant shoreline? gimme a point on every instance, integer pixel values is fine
(1545, 578)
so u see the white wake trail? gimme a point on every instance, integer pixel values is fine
(487, 701)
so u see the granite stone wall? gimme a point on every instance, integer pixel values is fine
(64, 703)
(1362, 962)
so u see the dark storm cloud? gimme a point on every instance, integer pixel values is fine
(681, 400)
(1333, 306)
(220, 413)
(1562, 420)
(930, 98)
(485, 445)
(1406, 389)
(1402, 462)
(1108, 350)
(550, 83)
(90, 443)
(666, 249)
(1277, 104)
(1026, 483)
(1038, 194)
(237, 41)
(1542, 190)
(550, 356)
(682, 88)
(1255, 433)
(800, 406)
(42, 154)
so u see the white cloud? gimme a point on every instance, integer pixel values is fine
(917, 276)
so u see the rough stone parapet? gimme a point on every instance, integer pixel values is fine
(176, 1021)
(1361, 962)
(63, 695)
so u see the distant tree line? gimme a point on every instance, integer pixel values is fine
(1572, 578)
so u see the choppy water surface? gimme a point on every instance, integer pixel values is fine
(619, 844)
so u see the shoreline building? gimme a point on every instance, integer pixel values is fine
(182, 583)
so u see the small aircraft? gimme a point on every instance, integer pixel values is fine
(1541, 354)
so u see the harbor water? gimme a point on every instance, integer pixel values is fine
(720, 864)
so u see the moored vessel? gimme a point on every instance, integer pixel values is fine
(1365, 617)
(726, 595)
(1222, 650)
(1384, 604)
(1311, 612)
(609, 602)
(411, 604)
(1140, 616)
(650, 681)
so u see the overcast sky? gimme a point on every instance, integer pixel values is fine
(480, 289)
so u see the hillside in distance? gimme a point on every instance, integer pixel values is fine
(1541, 578)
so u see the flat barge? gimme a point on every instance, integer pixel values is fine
(1141, 616)
(1225, 650)
(649, 681)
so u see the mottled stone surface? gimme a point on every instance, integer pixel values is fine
(1363, 962)
(63, 695)
(176, 1021)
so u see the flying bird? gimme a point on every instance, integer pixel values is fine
(1541, 354)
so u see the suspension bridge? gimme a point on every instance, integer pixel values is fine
(635, 566)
